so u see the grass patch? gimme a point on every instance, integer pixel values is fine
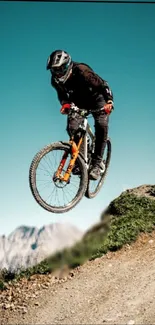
(126, 217)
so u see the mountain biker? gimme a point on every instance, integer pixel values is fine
(77, 83)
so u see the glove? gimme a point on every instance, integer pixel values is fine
(65, 108)
(108, 106)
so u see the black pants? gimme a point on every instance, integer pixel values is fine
(101, 131)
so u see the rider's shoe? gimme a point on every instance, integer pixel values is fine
(97, 169)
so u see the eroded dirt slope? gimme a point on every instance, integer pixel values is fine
(118, 288)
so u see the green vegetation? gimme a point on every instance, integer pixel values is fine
(125, 218)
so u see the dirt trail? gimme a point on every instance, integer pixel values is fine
(118, 288)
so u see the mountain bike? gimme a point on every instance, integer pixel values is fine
(58, 183)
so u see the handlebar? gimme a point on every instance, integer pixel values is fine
(84, 112)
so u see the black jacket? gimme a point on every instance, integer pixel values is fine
(84, 88)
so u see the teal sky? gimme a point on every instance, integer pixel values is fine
(118, 41)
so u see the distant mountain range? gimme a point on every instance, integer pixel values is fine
(27, 246)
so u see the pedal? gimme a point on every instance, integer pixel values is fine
(76, 171)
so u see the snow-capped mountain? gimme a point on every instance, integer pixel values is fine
(27, 246)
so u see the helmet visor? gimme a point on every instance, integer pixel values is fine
(60, 71)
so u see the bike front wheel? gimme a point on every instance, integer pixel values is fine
(54, 195)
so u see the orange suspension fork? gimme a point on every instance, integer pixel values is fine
(62, 163)
(74, 153)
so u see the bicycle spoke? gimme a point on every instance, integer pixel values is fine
(60, 194)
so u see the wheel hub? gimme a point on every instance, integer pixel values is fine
(58, 182)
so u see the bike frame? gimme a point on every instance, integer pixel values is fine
(75, 148)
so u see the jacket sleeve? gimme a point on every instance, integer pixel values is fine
(97, 83)
(62, 95)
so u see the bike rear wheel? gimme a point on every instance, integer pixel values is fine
(56, 190)
(93, 187)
